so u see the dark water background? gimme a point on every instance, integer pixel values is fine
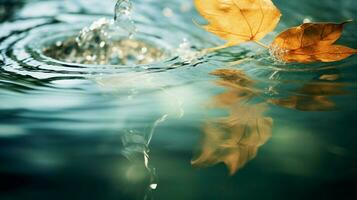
(64, 127)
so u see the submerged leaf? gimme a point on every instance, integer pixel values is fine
(238, 21)
(311, 42)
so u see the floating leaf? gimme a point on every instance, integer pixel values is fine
(238, 21)
(311, 42)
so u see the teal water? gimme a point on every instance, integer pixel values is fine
(172, 128)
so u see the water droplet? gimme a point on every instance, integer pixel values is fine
(307, 20)
(123, 18)
(168, 12)
(153, 186)
(59, 43)
(186, 53)
(102, 44)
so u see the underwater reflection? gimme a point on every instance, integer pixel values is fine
(313, 96)
(235, 139)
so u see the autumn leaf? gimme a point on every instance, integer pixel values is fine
(311, 42)
(238, 21)
(234, 140)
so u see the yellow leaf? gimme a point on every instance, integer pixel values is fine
(311, 42)
(238, 21)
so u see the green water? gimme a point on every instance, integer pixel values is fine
(162, 129)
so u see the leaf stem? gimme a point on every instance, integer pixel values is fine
(261, 44)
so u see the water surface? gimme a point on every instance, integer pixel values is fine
(227, 125)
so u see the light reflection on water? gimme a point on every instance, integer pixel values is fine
(73, 131)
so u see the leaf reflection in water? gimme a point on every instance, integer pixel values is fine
(314, 96)
(235, 139)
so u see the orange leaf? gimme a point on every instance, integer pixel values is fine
(311, 42)
(239, 21)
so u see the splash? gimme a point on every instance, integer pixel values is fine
(123, 17)
(103, 30)
(136, 150)
(186, 53)
(107, 42)
(105, 52)
(277, 54)
(95, 36)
